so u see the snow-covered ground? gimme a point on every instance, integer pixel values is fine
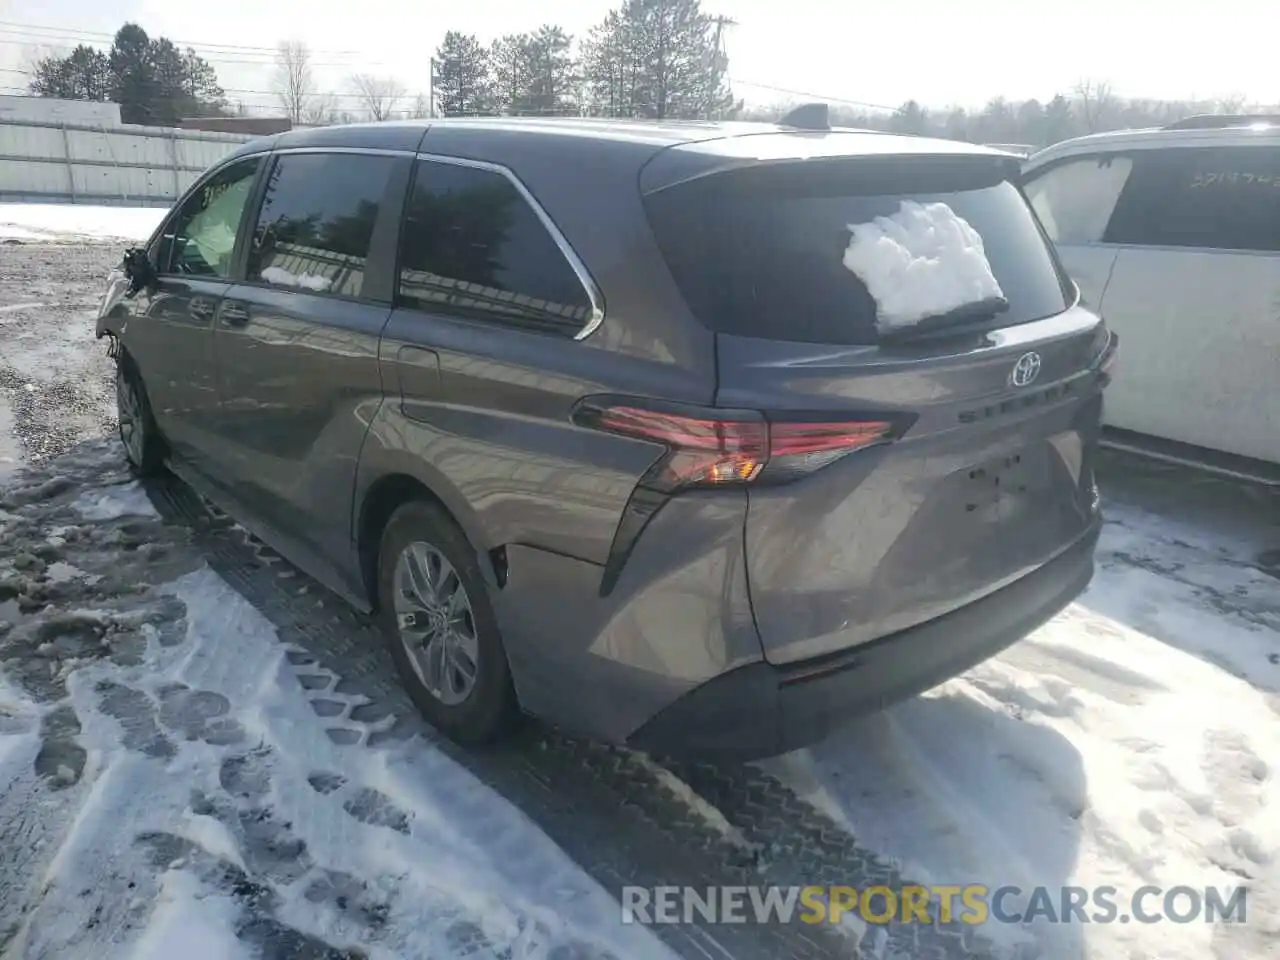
(180, 733)
(1133, 740)
(169, 784)
(76, 223)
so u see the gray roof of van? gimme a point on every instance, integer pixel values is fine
(732, 140)
(1155, 138)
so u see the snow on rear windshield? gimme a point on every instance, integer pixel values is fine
(922, 261)
(775, 257)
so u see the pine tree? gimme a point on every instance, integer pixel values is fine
(84, 74)
(656, 58)
(202, 85)
(552, 73)
(609, 68)
(910, 118)
(464, 85)
(152, 80)
(511, 65)
(133, 75)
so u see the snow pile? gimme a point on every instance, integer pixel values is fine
(922, 261)
(112, 503)
(64, 222)
(1110, 748)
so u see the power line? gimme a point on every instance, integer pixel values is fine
(274, 94)
(35, 28)
(262, 60)
(810, 96)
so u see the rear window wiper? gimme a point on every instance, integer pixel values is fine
(970, 318)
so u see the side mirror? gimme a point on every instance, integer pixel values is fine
(140, 270)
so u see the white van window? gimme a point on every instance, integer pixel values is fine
(1074, 200)
(1208, 198)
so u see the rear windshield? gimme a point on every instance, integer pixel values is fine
(761, 252)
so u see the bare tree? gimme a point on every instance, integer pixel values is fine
(322, 108)
(1231, 104)
(378, 94)
(421, 107)
(1097, 103)
(294, 84)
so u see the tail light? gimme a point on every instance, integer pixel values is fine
(1106, 343)
(1109, 353)
(718, 448)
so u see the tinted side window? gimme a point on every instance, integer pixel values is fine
(473, 247)
(199, 241)
(1074, 200)
(316, 222)
(1225, 198)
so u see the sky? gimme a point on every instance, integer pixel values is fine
(938, 52)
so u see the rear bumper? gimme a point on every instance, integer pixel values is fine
(760, 710)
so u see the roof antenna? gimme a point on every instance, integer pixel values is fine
(807, 116)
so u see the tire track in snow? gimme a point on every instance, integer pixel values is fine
(157, 714)
(607, 808)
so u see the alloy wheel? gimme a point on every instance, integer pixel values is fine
(129, 412)
(435, 622)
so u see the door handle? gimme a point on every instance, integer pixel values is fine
(201, 308)
(235, 313)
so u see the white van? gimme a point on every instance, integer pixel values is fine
(1173, 235)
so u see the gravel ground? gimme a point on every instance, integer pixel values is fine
(53, 392)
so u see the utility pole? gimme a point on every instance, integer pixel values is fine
(719, 55)
(431, 87)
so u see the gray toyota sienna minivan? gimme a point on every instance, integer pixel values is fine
(605, 423)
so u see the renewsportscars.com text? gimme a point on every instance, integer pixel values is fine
(968, 903)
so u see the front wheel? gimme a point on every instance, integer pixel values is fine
(143, 446)
(444, 637)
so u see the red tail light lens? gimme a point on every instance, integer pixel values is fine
(796, 449)
(703, 450)
(710, 448)
(706, 447)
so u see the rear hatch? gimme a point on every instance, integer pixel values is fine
(932, 426)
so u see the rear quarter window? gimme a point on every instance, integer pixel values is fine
(759, 252)
(473, 247)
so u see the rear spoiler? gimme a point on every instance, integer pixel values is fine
(686, 163)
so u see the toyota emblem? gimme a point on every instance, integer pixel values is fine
(1025, 370)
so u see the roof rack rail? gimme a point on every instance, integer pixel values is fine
(807, 116)
(1223, 121)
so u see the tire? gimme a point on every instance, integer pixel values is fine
(434, 669)
(139, 436)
